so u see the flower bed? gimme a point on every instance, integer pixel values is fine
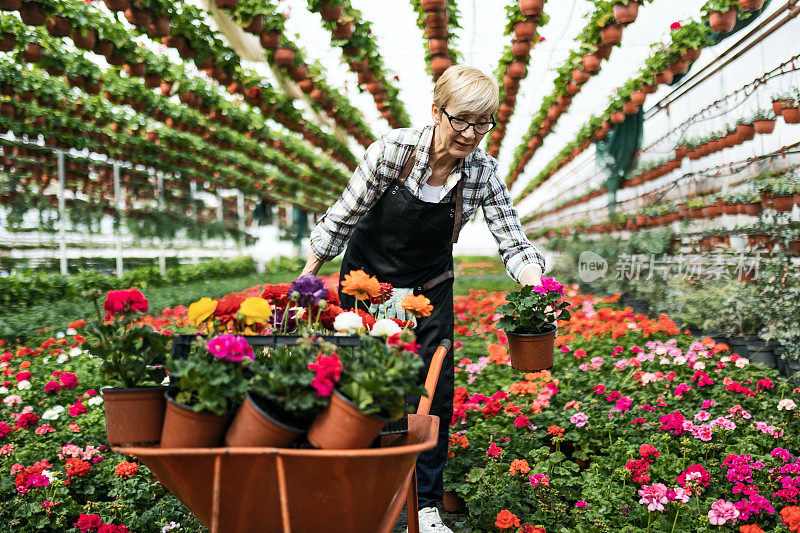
(640, 427)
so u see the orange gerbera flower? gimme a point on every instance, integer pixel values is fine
(360, 285)
(419, 306)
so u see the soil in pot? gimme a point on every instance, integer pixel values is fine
(532, 352)
(185, 428)
(342, 426)
(134, 416)
(255, 426)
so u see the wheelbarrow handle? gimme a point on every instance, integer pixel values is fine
(433, 376)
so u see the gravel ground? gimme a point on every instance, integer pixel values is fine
(458, 522)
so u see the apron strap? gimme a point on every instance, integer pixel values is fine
(441, 278)
(459, 208)
(408, 166)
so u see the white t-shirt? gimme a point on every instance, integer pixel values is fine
(430, 193)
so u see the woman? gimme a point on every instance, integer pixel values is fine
(403, 210)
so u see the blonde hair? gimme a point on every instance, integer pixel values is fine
(465, 90)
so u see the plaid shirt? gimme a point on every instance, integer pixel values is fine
(382, 164)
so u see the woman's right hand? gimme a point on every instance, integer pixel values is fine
(312, 265)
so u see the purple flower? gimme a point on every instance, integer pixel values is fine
(308, 290)
(291, 320)
(230, 347)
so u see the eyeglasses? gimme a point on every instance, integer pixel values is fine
(459, 124)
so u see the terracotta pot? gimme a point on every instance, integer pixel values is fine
(136, 16)
(159, 26)
(306, 85)
(517, 69)
(134, 416)
(342, 426)
(521, 48)
(436, 32)
(611, 34)
(226, 4)
(751, 5)
(572, 89)
(434, 5)
(525, 30)
(617, 117)
(438, 46)
(330, 13)
(626, 14)
(664, 78)
(453, 503)
(604, 51)
(532, 352)
(343, 31)
(783, 203)
(33, 54)
(722, 22)
(629, 108)
(531, 8)
(270, 40)
(256, 25)
(745, 132)
(10, 5)
(580, 76)
(764, 126)
(691, 54)
(103, 48)
(591, 63)
(778, 105)
(7, 42)
(284, 57)
(753, 209)
(185, 428)
(679, 67)
(300, 72)
(31, 14)
(440, 63)
(255, 427)
(58, 26)
(791, 115)
(638, 97)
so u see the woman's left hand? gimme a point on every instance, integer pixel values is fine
(531, 275)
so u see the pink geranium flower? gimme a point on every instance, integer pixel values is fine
(654, 496)
(721, 512)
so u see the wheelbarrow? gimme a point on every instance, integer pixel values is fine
(262, 489)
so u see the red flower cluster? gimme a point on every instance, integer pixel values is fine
(672, 422)
(124, 301)
(703, 479)
(506, 520)
(396, 341)
(384, 293)
(77, 467)
(25, 420)
(329, 370)
(77, 409)
(640, 468)
(126, 469)
(228, 306)
(491, 408)
(277, 295)
(25, 476)
(93, 523)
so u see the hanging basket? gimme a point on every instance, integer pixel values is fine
(722, 22)
(532, 352)
(626, 14)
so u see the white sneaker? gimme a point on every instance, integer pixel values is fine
(431, 522)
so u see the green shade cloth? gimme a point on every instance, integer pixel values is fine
(262, 214)
(615, 152)
(300, 225)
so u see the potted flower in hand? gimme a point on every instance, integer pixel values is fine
(207, 388)
(371, 391)
(530, 323)
(132, 357)
(289, 389)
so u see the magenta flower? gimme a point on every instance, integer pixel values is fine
(328, 371)
(494, 450)
(675, 26)
(549, 285)
(654, 496)
(230, 347)
(721, 512)
(52, 386)
(580, 504)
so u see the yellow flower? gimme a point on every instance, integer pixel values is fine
(419, 306)
(360, 285)
(255, 310)
(200, 310)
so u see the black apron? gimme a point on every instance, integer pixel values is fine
(408, 242)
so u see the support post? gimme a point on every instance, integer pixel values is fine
(62, 222)
(162, 262)
(120, 204)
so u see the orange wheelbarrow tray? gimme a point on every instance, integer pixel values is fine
(262, 489)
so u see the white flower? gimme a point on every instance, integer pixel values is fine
(62, 358)
(3, 364)
(46, 360)
(680, 360)
(787, 404)
(699, 365)
(385, 327)
(75, 351)
(24, 385)
(171, 526)
(742, 362)
(3, 390)
(48, 474)
(165, 381)
(94, 400)
(53, 412)
(348, 323)
(664, 361)
(72, 331)
(60, 335)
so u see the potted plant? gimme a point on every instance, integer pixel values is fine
(374, 381)
(781, 100)
(764, 121)
(626, 11)
(791, 111)
(530, 323)
(132, 357)
(721, 14)
(208, 387)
